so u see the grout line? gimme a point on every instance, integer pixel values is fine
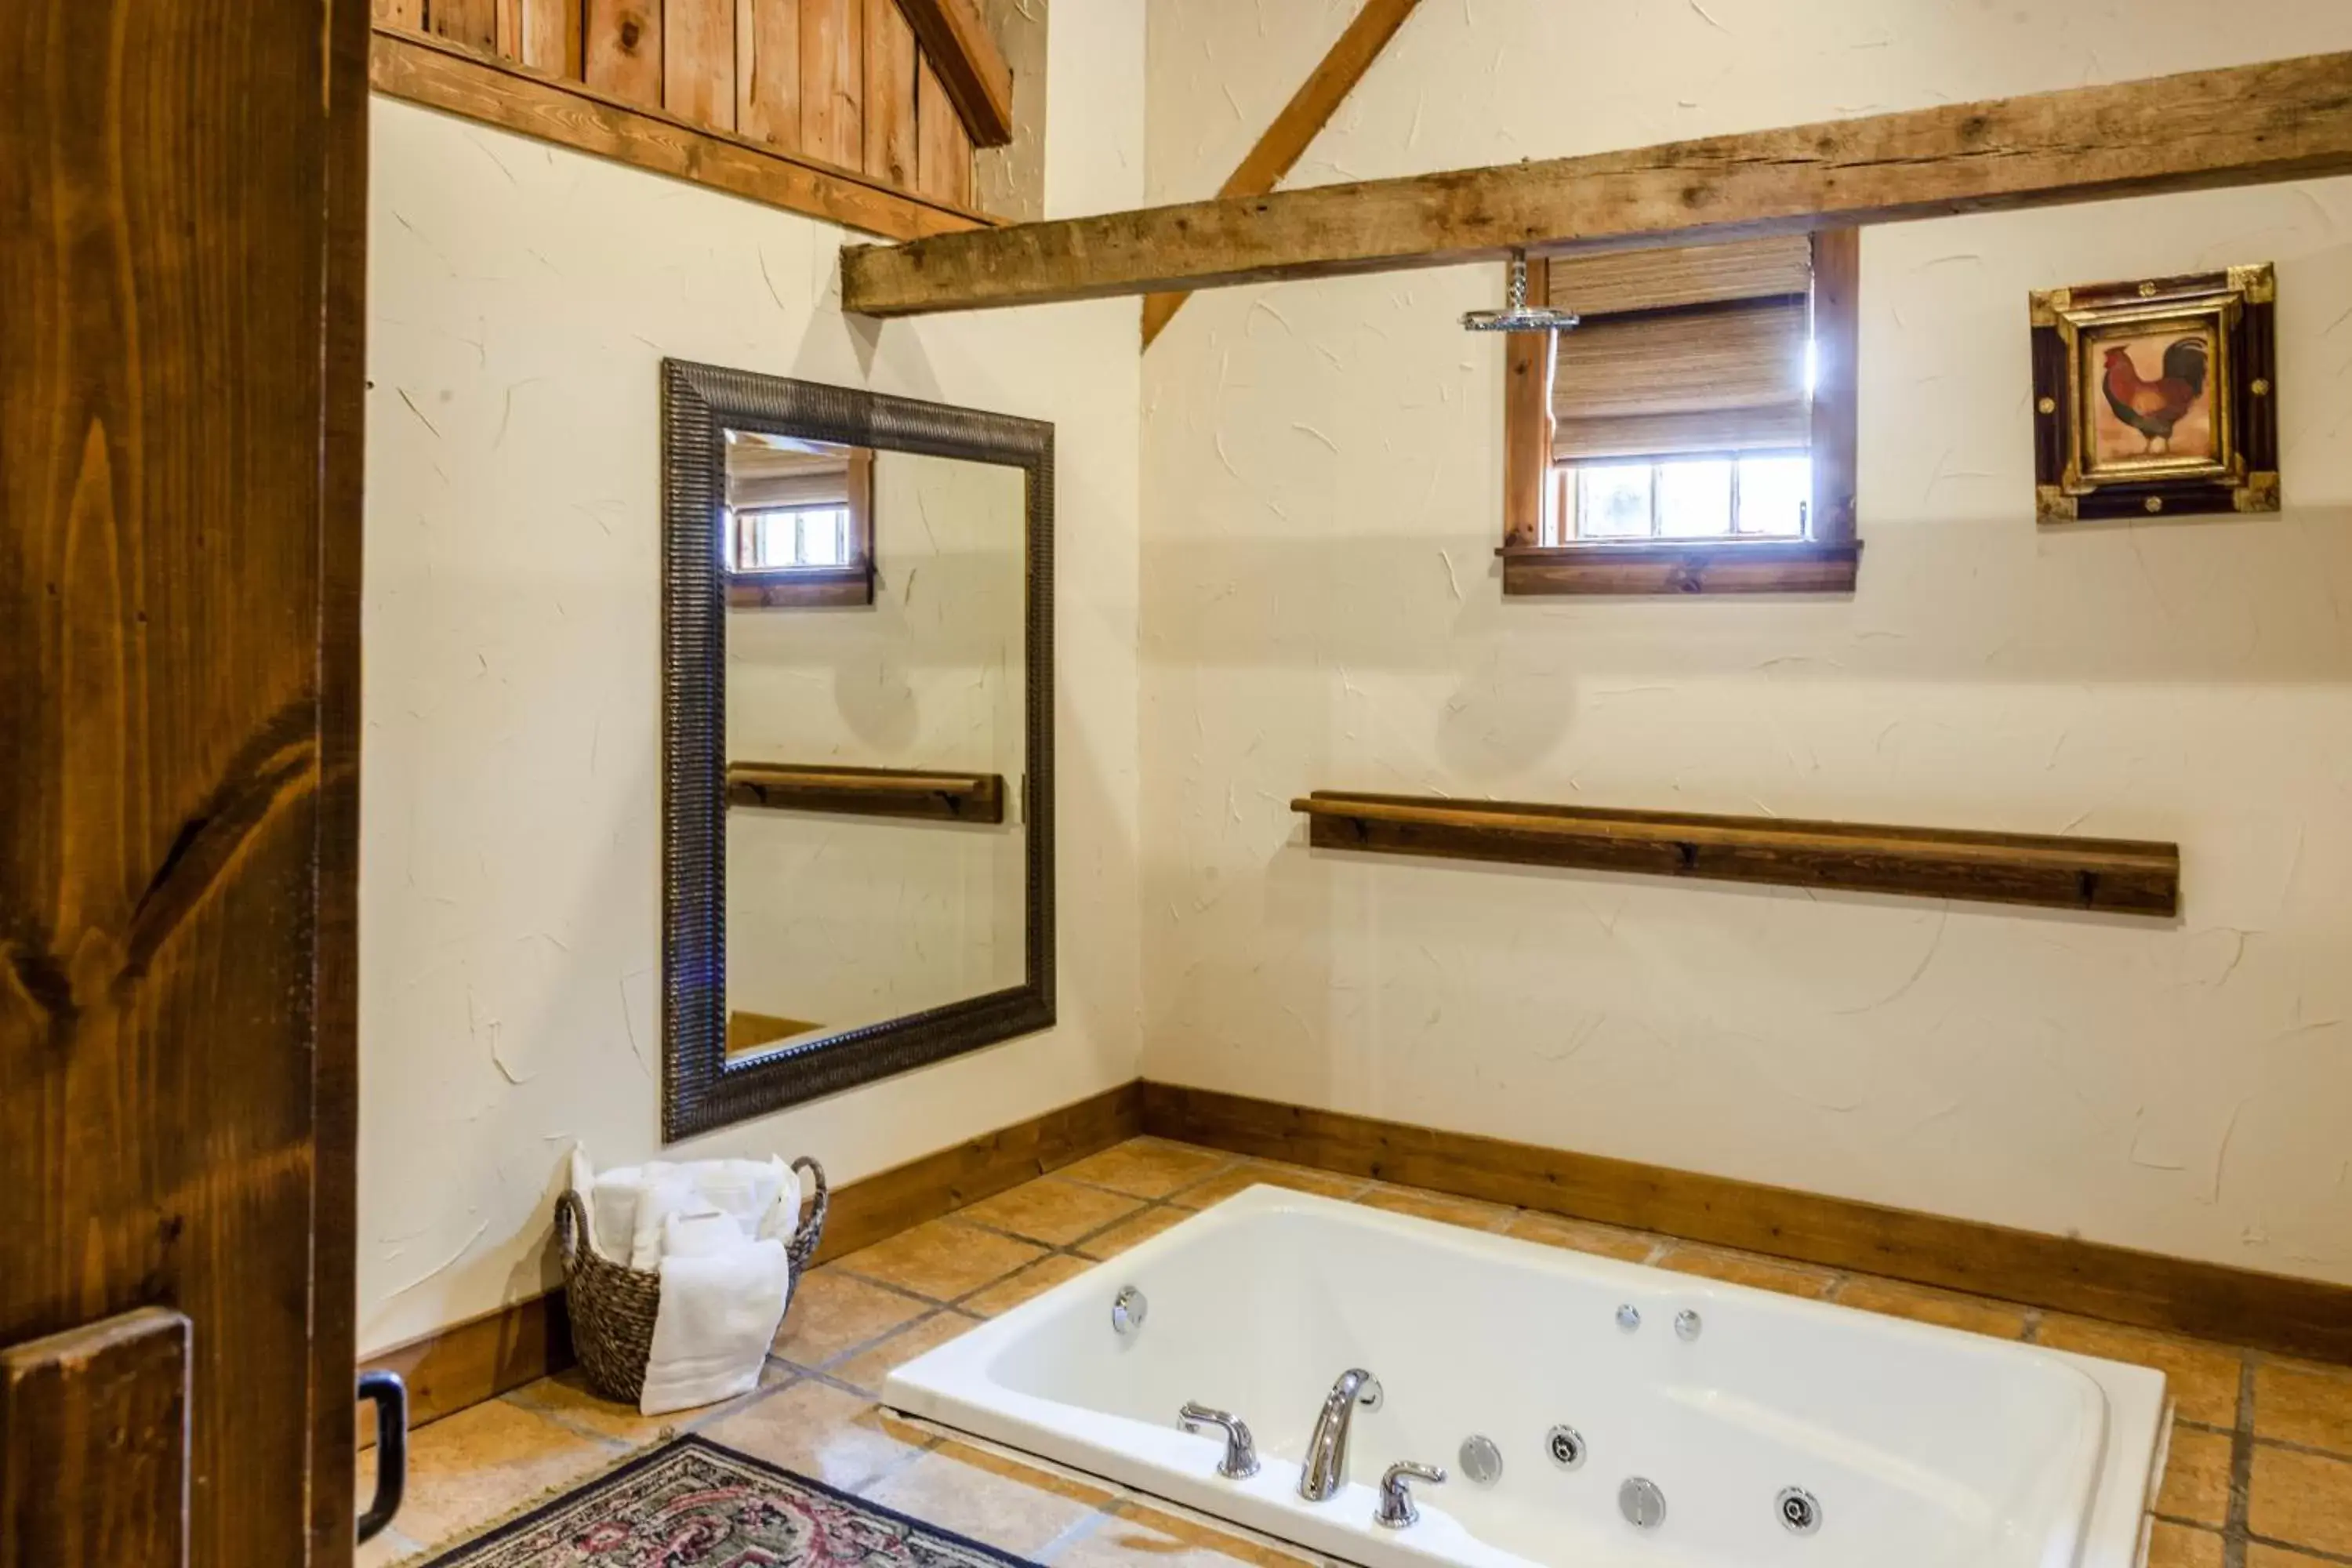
(851, 1353)
(2241, 1470)
(1009, 1234)
(2310, 1551)
(911, 1295)
(897, 1466)
(2294, 1448)
(842, 1385)
(744, 1402)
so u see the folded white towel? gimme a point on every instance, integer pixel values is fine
(701, 1235)
(613, 1203)
(746, 1189)
(719, 1312)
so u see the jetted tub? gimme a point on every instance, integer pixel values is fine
(1769, 1430)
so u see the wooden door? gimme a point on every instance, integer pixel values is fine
(181, 246)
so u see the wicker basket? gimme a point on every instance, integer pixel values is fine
(612, 1307)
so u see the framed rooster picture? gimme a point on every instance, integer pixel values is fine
(2156, 396)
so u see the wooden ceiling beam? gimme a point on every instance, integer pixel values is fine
(1285, 141)
(970, 65)
(2284, 120)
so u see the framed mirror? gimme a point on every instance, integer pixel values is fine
(857, 701)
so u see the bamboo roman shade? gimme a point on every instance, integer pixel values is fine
(1698, 350)
(763, 476)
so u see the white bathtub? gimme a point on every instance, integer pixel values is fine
(1921, 1446)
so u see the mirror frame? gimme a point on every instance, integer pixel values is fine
(700, 1088)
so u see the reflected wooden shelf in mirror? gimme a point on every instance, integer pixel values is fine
(867, 792)
(2114, 875)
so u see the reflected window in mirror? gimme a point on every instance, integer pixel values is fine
(797, 530)
(858, 828)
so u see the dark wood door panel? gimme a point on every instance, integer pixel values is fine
(168, 538)
(94, 1444)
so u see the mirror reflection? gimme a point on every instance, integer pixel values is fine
(876, 850)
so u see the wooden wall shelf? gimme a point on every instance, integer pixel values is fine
(867, 792)
(2119, 876)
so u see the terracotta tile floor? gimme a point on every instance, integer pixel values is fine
(2260, 1474)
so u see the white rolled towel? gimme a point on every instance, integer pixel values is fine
(628, 1204)
(762, 1196)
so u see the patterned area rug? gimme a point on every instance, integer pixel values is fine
(693, 1504)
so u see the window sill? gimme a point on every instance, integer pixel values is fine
(821, 588)
(1700, 566)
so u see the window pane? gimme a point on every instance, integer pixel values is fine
(1612, 500)
(1774, 493)
(1695, 498)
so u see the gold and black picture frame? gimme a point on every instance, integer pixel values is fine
(2156, 396)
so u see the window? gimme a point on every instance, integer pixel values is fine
(782, 538)
(1695, 432)
(1741, 495)
(797, 530)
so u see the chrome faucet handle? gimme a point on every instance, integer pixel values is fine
(1396, 1509)
(1241, 1450)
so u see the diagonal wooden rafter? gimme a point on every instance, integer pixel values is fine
(1285, 141)
(970, 67)
(2284, 120)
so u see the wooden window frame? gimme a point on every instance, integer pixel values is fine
(1827, 559)
(846, 586)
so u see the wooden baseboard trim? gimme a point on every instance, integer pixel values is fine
(482, 1358)
(2266, 1312)
(881, 1206)
(479, 1359)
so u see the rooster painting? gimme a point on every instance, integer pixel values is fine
(2154, 407)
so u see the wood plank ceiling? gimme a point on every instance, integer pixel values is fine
(843, 90)
(2243, 125)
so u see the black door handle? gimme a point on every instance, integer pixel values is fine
(390, 1396)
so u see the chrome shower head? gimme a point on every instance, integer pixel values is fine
(1518, 315)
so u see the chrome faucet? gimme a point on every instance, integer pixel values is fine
(1240, 1462)
(1395, 1510)
(1325, 1469)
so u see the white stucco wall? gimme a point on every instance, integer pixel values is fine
(1320, 609)
(521, 300)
